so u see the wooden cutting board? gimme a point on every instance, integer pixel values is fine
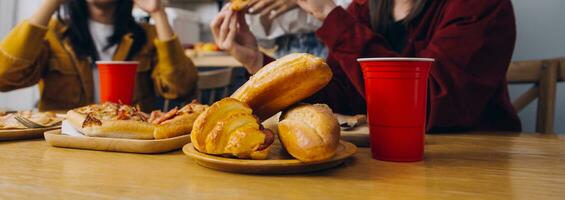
(56, 139)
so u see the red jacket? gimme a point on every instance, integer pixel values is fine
(472, 42)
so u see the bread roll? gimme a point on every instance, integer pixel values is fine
(229, 128)
(309, 133)
(284, 82)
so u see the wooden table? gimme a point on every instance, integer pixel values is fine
(216, 61)
(457, 166)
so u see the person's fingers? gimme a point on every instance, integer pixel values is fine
(224, 28)
(227, 6)
(259, 6)
(269, 9)
(230, 38)
(281, 10)
(216, 23)
(241, 21)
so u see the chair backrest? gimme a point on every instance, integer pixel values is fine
(544, 75)
(214, 83)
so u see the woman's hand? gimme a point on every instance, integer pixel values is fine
(318, 8)
(271, 8)
(157, 12)
(149, 6)
(232, 34)
(42, 16)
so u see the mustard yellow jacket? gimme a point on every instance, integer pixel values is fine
(33, 54)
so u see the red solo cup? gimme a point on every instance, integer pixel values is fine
(117, 80)
(396, 95)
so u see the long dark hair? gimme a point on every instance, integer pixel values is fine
(76, 17)
(381, 14)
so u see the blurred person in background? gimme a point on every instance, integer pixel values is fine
(471, 41)
(60, 53)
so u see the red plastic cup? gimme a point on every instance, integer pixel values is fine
(396, 94)
(117, 80)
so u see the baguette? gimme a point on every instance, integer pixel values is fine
(284, 82)
(309, 133)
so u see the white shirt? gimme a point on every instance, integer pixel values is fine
(100, 33)
(292, 22)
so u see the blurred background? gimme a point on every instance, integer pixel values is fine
(541, 34)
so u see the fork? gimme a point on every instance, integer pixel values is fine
(28, 123)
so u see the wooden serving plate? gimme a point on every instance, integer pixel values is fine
(56, 139)
(279, 163)
(28, 133)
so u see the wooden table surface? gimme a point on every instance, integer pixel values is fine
(216, 61)
(456, 166)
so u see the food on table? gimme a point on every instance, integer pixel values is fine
(177, 121)
(309, 132)
(8, 120)
(237, 5)
(284, 82)
(206, 47)
(124, 121)
(229, 128)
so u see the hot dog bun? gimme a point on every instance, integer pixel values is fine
(309, 133)
(284, 82)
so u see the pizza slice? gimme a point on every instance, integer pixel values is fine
(123, 121)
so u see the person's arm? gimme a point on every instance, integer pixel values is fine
(23, 54)
(42, 16)
(472, 48)
(175, 75)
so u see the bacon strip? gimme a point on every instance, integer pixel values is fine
(90, 120)
(154, 115)
(142, 115)
(166, 116)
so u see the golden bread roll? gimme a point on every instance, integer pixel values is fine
(237, 5)
(309, 132)
(228, 127)
(284, 82)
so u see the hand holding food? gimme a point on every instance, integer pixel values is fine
(318, 8)
(228, 127)
(284, 82)
(309, 132)
(237, 5)
(271, 8)
(232, 34)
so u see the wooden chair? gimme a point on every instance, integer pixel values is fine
(544, 74)
(214, 83)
